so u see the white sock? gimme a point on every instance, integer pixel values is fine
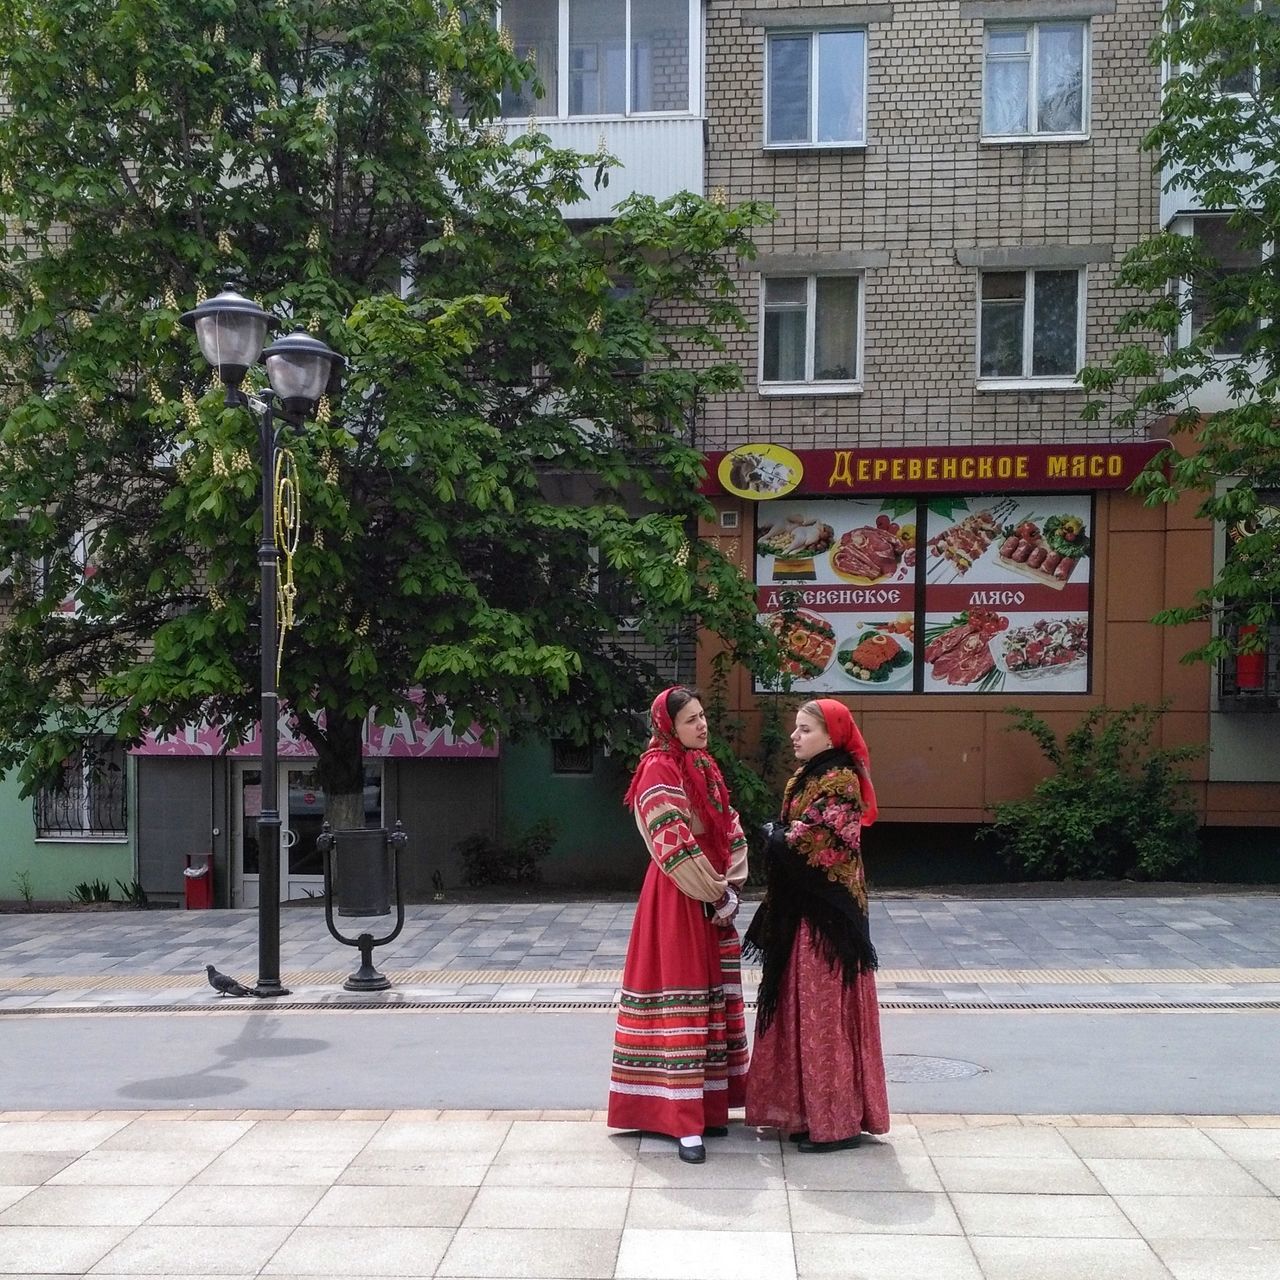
(695, 1141)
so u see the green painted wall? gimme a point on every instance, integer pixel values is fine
(56, 866)
(597, 845)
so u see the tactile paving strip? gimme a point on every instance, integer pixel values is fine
(612, 977)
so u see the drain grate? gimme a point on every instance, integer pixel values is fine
(598, 1006)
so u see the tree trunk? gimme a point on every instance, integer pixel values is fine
(341, 769)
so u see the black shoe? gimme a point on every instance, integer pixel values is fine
(716, 1131)
(817, 1148)
(802, 1136)
(692, 1155)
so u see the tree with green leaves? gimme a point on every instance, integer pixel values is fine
(514, 422)
(1203, 356)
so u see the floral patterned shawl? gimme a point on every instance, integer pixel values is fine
(815, 873)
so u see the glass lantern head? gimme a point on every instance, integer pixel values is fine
(231, 330)
(299, 367)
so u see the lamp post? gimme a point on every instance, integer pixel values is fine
(231, 330)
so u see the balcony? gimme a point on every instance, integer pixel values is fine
(627, 73)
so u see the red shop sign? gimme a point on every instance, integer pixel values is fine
(764, 471)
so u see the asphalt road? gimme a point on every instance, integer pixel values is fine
(1001, 1062)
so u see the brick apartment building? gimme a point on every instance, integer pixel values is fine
(956, 184)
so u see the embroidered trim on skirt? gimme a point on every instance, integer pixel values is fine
(680, 1046)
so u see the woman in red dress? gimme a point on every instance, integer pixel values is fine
(680, 1049)
(817, 1070)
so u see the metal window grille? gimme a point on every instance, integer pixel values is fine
(89, 797)
(569, 757)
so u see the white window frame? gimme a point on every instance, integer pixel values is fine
(80, 549)
(1086, 58)
(1055, 382)
(562, 69)
(811, 143)
(810, 387)
(1184, 225)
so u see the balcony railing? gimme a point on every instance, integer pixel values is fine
(659, 156)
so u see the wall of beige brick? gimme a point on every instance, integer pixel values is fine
(925, 189)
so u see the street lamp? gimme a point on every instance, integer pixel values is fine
(231, 330)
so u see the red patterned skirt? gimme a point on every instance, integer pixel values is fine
(819, 1066)
(680, 1048)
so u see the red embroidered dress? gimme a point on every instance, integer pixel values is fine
(680, 1048)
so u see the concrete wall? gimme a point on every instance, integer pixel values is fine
(597, 843)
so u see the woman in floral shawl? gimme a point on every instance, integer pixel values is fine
(817, 1071)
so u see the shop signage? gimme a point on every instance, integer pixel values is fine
(408, 738)
(943, 594)
(763, 472)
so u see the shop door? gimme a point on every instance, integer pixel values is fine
(301, 805)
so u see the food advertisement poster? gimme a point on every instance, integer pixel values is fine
(949, 595)
(836, 580)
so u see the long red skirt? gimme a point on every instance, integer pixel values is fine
(819, 1067)
(680, 1048)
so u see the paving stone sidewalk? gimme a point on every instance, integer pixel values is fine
(557, 1195)
(1220, 949)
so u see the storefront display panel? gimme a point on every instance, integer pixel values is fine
(1006, 595)
(950, 595)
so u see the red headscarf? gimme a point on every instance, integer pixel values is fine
(845, 735)
(703, 782)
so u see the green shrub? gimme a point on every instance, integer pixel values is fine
(487, 861)
(1114, 808)
(91, 891)
(133, 893)
(23, 881)
(754, 778)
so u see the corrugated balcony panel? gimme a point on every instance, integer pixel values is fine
(658, 157)
(1177, 200)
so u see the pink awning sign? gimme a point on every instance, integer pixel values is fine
(408, 738)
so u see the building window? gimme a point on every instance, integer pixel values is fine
(1036, 79)
(569, 757)
(810, 331)
(1031, 325)
(1224, 287)
(816, 89)
(88, 797)
(1246, 70)
(602, 57)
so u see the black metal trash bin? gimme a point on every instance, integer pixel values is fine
(362, 872)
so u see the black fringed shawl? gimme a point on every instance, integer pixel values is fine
(831, 900)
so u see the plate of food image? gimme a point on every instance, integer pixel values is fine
(808, 642)
(794, 537)
(869, 553)
(1045, 648)
(875, 659)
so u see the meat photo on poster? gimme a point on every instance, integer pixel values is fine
(1007, 594)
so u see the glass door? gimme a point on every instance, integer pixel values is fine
(301, 804)
(301, 816)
